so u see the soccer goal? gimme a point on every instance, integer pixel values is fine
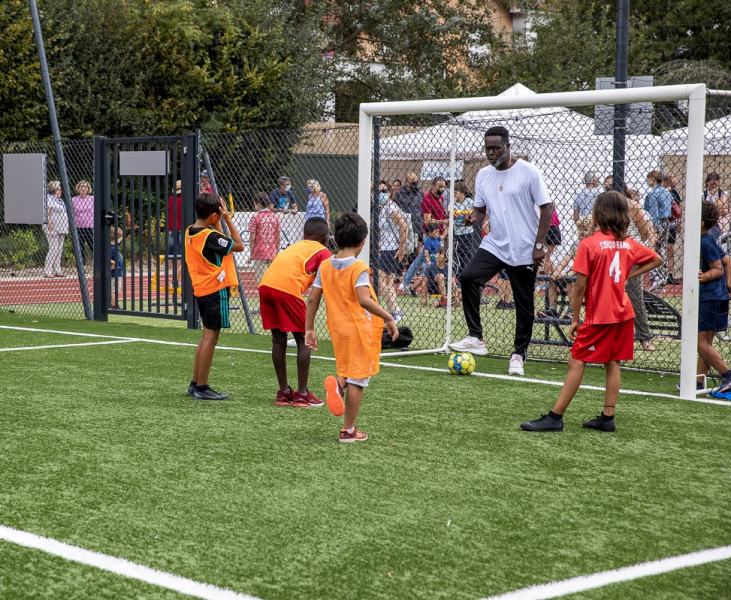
(569, 137)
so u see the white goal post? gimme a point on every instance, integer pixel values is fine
(694, 94)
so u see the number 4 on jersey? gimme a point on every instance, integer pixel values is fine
(614, 270)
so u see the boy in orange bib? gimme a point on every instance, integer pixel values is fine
(354, 319)
(283, 309)
(212, 272)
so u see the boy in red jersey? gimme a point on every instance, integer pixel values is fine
(603, 264)
(283, 308)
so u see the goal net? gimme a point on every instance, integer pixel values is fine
(570, 137)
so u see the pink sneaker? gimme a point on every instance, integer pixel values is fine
(306, 400)
(353, 436)
(284, 398)
(334, 396)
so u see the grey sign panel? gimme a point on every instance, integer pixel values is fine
(639, 114)
(143, 162)
(24, 186)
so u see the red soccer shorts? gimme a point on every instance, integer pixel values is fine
(280, 310)
(606, 342)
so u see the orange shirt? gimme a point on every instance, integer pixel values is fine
(206, 276)
(290, 272)
(356, 334)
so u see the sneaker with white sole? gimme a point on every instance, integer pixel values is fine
(516, 365)
(470, 344)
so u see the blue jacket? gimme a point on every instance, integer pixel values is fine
(658, 204)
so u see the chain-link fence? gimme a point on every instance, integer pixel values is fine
(319, 164)
(38, 271)
(575, 159)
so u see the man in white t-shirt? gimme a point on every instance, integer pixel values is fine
(513, 195)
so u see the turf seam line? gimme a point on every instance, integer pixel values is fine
(589, 582)
(389, 364)
(51, 346)
(120, 566)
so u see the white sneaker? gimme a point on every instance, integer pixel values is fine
(402, 288)
(292, 343)
(516, 365)
(470, 344)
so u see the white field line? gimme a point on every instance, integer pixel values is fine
(120, 566)
(597, 580)
(388, 364)
(66, 345)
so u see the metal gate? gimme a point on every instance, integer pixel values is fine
(141, 214)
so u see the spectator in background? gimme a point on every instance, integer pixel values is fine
(640, 230)
(281, 199)
(55, 226)
(432, 211)
(265, 233)
(465, 240)
(84, 216)
(175, 221)
(117, 263)
(713, 193)
(204, 185)
(584, 201)
(317, 202)
(408, 199)
(658, 205)
(432, 205)
(396, 186)
(670, 183)
(608, 183)
(393, 235)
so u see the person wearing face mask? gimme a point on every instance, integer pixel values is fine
(282, 200)
(408, 199)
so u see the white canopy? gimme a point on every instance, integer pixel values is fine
(717, 135)
(559, 141)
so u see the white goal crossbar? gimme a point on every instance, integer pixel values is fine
(694, 94)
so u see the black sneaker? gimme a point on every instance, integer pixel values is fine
(191, 389)
(501, 305)
(208, 394)
(600, 425)
(545, 423)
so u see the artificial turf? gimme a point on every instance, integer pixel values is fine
(100, 448)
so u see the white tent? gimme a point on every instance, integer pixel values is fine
(717, 136)
(559, 141)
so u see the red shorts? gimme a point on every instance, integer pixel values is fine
(280, 310)
(606, 342)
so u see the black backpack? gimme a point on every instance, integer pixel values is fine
(402, 342)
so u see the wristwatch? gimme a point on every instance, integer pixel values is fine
(539, 246)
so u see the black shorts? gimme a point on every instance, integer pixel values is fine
(672, 234)
(553, 238)
(388, 264)
(213, 309)
(713, 315)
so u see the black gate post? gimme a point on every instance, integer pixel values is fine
(189, 179)
(102, 240)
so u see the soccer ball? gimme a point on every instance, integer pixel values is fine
(461, 363)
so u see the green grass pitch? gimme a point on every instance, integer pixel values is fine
(448, 499)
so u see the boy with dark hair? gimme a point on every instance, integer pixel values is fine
(354, 319)
(212, 272)
(602, 265)
(283, 309)
(712, 299)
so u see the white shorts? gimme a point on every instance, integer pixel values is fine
(359, 382)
